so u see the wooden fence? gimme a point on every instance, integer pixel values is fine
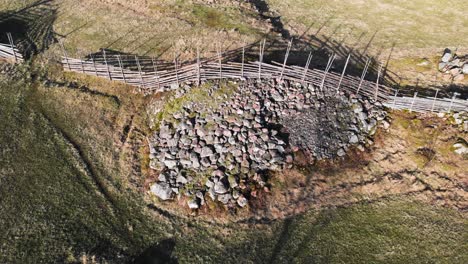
(149, 79)
(9, 51)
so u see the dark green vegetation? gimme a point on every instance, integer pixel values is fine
(64, 193)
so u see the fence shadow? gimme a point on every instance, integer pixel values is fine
(31, 27)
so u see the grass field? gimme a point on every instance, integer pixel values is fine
(64, 194)
(400, 34)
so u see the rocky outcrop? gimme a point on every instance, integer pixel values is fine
(226, 151)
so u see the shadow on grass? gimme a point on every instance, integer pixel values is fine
(31, 27)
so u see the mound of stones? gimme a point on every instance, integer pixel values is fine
(224, 153)
(453, 65)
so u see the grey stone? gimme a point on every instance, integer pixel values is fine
(206, 152)
(353, 139)
(162, 190)
(193, 203)
(447, 56)
(242, 201)
(181, 179)
(170, 163)
(225, 198)
(220, 188)
(341, 152)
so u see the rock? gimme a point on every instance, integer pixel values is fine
(181, 179)
(170, 163)
(353, 139)
(341, 152)
(225, 198)
(193, 203)
(242, 201)
(465, 68)
(220, 188)
(442, 66)
(460, 149)
(206, 152)
(162, 190)
(447, 55)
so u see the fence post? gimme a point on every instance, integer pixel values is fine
(243, 58)
(329, 64)
(198, 66)
(306, 68)
(433, 102)
(12, 45)
(107, 66)
(220, 61)
(65, 55)
(343, 73)
(394, 99)
(377, 82)
(139, 71)
(121, 69)
(451, 102)
(363, 75)
(262, 47)
(94, 65)
(286, 59)
(412, 103)
(81, 63)
(176, 69)
(155, 68)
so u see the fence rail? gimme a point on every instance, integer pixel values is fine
(9, 51)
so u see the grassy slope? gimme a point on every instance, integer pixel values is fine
(62, 212)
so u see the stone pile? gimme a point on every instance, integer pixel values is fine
(224, 152)
(453, 65)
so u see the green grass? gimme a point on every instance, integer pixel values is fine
(53, 209)
(395, 231)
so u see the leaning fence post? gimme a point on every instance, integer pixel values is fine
(377, 82)
(329, 64)
(433, 101)
(412, 103)
(65, 55)
(107, 66)
(363, 75)
(286, 59)
(451, 102)
(343, 73)
(306, 68)
(12, 45)
(121, 69)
